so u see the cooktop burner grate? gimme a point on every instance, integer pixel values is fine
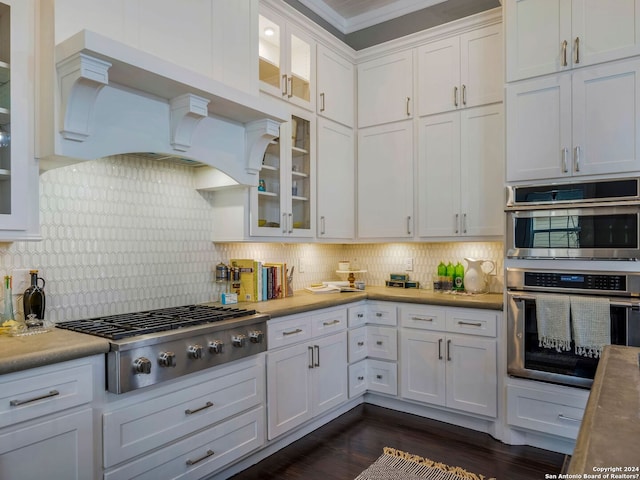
(117, 327)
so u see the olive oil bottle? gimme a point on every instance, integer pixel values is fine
(34, 300)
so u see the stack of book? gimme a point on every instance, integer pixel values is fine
(260, 281)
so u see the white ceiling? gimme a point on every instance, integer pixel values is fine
(348, 16)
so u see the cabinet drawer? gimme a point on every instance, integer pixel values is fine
(140, 427)
(382, 313)
(546, 410)
(382, 342)
(197, 456)
(382, 376)
(472, 321)
(41, 391)
(357, 344)
(287, 331)
(425, 317)
(357, 316)
(357, 378)
(328, 322)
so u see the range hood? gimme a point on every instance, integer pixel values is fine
(110, 98)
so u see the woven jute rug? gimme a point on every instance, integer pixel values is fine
(398, 465)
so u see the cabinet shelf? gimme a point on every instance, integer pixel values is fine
(299, 150)
(5, 116)
(5, 174)
(270, 167)
(267, 194)
(300, 199)
(5, 72)
(299, 174)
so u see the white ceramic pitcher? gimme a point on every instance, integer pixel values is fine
(475, 278)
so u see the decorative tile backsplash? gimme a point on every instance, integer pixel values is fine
(125, 233)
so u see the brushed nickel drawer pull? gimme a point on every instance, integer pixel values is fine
(322, 102)
(408, 112)
(328, 324)
(570, 419)
(439, 349)
(421, 319)
(378, 314)
(379, 377)
(577, 45)
(360, 315)
(448, 350)
(379, 342)
(197, 460)
(471, 324)
(317, 349)
(564, 53)
(52, 393)
(455, 96)
(297, 330)
(284, 85)
(360, 344)
(310, 350)
(360, 378)
(464, 94)
(188, 411)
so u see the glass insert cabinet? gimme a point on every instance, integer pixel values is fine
(282, 201)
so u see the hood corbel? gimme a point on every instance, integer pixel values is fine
(258, 135)
(186, 112)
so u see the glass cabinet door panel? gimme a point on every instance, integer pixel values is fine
(269, 188)
(269, 48)
(300, 69)
(5, 112)
(300, 173)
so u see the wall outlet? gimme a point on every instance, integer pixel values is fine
(21, 280)
(408, 264)
(302, 265)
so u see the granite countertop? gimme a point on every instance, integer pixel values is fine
(21, 353)
(610, 429)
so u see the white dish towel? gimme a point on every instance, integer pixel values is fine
(554, 328)
(591, 320)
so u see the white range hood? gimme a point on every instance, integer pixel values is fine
(109, 99)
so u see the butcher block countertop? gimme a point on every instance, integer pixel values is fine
(609, 436)
(21, 353)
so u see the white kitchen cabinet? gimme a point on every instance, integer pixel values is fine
(47, 420)
(385, 181)
(554, 35)
(584, 122)
(385, 89)
(461, 71)
(335, 181)
(450, 369)
(373, 341)
(287, 60)
(460, 170)
(305, 378)
(19, 182)
(336, 87)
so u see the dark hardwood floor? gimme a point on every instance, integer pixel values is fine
(343, 448)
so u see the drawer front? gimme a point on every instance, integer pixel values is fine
(357, 378)
(473, 321)
(382, 313)
(329, 322)
(41, 391)
(382, 377)
(357, 344)
(149, 424)
(197, 456)
(424, 317)
(546, 411)
(382, 342)
(357, 316)
(288, 330)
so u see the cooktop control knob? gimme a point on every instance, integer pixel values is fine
(167, 359)
(216, 346)
(195, 351)
(239, 340)
(256, 336)
(142, 365)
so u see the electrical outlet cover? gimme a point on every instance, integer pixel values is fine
(21, 280)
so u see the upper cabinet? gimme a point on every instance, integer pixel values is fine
(287, 61)
(19, 199)
(336, 78)
(385, 89)
(460, 71)
(555, 35)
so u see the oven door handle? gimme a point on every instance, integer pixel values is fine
(614, 303)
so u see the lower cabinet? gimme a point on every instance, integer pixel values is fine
(306, 379)
(371, 375)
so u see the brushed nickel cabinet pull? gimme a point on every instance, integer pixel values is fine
(329, 324)
(464, 223)
(457, 220)
(423, 319)
(310, 350)
(293, 332)
(317, 349)
(197, 460)
(564, 53)
(379, 377)
(577, 47)
(408, 112)
(565, 164)
(409, 225)
(360, 315)
(378, 314)
(455, 96)
(291, 223)
(284, 85)
(322, 226)
(322, 102)
(360, 344)
(464, 94)
(360, 378)
(472, 324)
(448, 350)
(52, 393)
(570, 419)
(379, 342)
(188, 411)
(284, 223)
(290, 87)
(576, 158)
(439, 349)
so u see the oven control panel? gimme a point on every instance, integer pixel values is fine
(573, 280)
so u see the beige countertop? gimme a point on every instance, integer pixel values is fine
(21, 353)
(610, 432)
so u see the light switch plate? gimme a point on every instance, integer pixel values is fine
(21, 280)
(408, 264)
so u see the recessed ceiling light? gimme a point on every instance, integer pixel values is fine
(269, 31)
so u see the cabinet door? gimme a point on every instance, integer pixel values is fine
(357, 344)
(385, 89)
(385, 181)
(606, 118)
(336, 181)
(336, 96)
(439, 175)
(481, 67)
(302, 68)
(300, 186)
(482, 170)
(539, 128)
(271, 44)
(382, 342)
(439, 76)
(289, 388)
(422, 366)
(472, 375)
(606, 30)
(535, 31)
(57, 447)
(330, 383)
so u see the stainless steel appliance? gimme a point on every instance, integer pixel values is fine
(585, 220)
(158, 345)
(527, 359)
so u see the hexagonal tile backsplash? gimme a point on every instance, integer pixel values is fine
(125, 233)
